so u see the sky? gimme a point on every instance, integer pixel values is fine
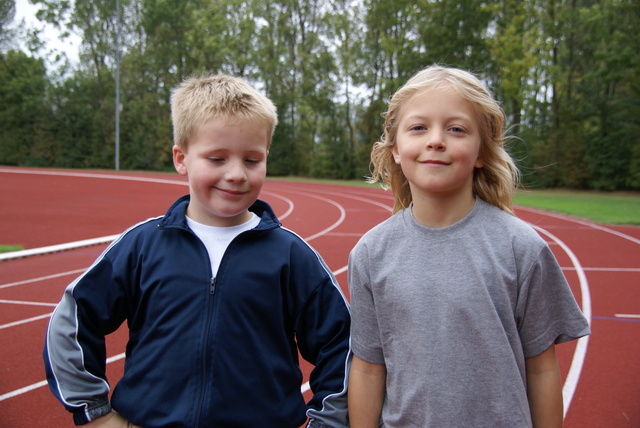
(24, 9)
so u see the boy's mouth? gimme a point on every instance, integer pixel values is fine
(230, 191)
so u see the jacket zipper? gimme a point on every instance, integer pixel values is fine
(212, 289)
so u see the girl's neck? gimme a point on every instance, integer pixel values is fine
(438, 211)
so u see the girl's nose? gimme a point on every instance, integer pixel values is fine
(436, 140)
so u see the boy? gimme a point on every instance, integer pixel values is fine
(218, 297)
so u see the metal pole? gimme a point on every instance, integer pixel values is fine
(117, 155)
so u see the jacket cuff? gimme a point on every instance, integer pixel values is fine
(92, 413)
(313, 423)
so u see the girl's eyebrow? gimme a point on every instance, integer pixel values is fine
(419, 116)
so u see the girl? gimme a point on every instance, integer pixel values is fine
(456, 303)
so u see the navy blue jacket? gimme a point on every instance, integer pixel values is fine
(204, 351)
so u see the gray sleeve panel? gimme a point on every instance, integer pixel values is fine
(334, 412)
(80, 391)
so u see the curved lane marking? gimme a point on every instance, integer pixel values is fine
(340, 220)
(571, 382)
(289, 202)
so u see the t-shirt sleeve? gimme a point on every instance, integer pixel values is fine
(365, 334)
(547, 312)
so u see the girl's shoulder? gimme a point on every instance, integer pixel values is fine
(494, 216)
(501, 227)
(389, 227)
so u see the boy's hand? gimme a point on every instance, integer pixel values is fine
(110, 420)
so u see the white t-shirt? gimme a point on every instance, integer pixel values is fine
(217, 239)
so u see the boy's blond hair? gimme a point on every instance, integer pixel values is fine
(495, 182)
(199, 99)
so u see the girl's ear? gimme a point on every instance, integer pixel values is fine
(479, 163)
(395, 153)
(178, 160)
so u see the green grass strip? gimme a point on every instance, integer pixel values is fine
(601, 207)
(7, 248)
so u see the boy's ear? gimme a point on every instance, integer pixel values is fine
(178, 160)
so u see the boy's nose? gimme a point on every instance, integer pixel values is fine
(235, 172)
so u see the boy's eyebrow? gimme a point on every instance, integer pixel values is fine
(225, 150)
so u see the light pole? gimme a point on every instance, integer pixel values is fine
(117, 155)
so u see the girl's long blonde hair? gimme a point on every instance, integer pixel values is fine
(494, 183)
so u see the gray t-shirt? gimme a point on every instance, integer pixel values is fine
(454, 312)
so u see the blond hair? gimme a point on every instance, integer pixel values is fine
(498, 178)
(199, 99)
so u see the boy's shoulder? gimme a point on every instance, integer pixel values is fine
(139, 232)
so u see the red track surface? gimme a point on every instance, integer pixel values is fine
(42, 208)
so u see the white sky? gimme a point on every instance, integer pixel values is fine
(24, 9)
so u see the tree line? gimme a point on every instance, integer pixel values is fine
(567, 73)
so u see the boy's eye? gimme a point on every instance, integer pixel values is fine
(216, 160)
(252, 161)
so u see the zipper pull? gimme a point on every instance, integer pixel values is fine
(212, 287)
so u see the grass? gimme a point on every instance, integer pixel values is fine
(601, 207)
(7, 248)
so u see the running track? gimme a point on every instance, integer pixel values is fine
(42, 208)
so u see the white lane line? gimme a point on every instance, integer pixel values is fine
(23, 390)
(289, 202)
(44, 382)
(42, 278)
(600, 269)
(22, 302)
(635, 316)
(340, 208)
(94, 175)
(24, 321)
(56, 248)
(571, 382)
(384, 206)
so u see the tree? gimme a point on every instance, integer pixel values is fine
(7, 14)
(23, 110)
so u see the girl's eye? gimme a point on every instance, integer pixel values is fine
(456, 129)
(417, 128)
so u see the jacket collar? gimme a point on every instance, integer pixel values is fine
(176, 216)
